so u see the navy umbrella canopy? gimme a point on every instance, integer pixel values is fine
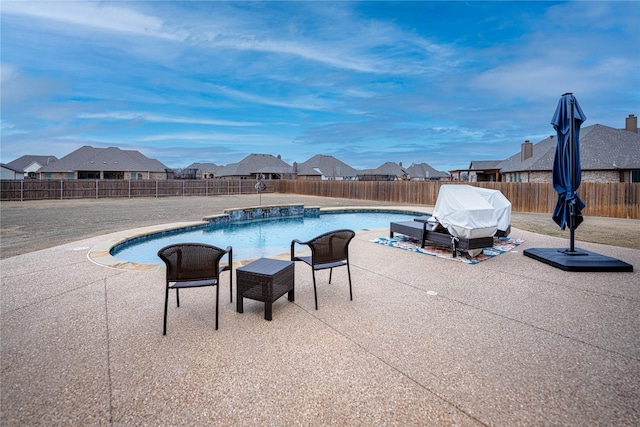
(567, 172)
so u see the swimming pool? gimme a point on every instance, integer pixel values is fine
(259, 238)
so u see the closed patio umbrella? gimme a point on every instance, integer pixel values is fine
(567, 172)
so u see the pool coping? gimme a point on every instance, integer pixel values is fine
(101, 253)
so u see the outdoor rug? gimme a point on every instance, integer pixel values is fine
(500, 246)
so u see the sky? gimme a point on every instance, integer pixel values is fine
(440, 82)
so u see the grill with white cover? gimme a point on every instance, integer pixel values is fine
(471, 212)
(501, 204)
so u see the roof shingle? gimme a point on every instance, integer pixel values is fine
(89, 158)
(601, 148)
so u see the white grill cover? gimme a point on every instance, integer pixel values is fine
(464, 212)
(501, 204)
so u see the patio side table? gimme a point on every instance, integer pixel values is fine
(264, 280)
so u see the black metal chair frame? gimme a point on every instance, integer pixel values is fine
(193, 265)
(332, 258)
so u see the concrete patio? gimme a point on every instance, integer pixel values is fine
(425, 341)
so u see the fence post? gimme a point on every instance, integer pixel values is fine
(156, 189)
(129, 188)
(61, 192)
(22, 190)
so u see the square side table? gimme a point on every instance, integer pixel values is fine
(264, 280)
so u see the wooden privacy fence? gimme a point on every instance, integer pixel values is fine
(103, 188)
(618, 200)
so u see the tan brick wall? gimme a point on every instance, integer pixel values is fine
(543, 176)
(540, 176)
(157, 175)
(600, 176)
(527, 177)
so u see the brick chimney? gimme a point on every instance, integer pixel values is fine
(632, 123)
(526, 150)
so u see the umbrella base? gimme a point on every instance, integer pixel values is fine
(575, 252)
(578, 260)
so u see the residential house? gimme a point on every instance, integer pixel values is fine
(388, 171)
(321, 167)
(255, 165)
(424, 172)
(31, 164)
(204, 170)
(606, 155)
(10, 172)
(484, 170)
(104, 163)
(478, 171)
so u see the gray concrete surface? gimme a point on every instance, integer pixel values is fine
(425, 341)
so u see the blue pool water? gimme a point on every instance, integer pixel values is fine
(257, 239)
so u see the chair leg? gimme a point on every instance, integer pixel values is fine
(166, 302)
(230, 261)
(330, 273)
(217, 303)
(178, 297)
(349, 274)
(315, 292)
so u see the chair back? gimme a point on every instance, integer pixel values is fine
(332, 246)
(191, 261)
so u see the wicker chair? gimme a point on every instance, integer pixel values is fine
(193, 265)
(328, 250)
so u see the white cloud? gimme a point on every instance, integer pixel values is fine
(8, 72)
(360, 49)
(19, 88)
(98, 16)
(324, 54)
(302, 102)
(205, 137)
(345, 77)
(161, 118)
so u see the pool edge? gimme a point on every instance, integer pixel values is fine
(100, 253)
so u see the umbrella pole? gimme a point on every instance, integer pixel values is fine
(572, 204)
(572, 237)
